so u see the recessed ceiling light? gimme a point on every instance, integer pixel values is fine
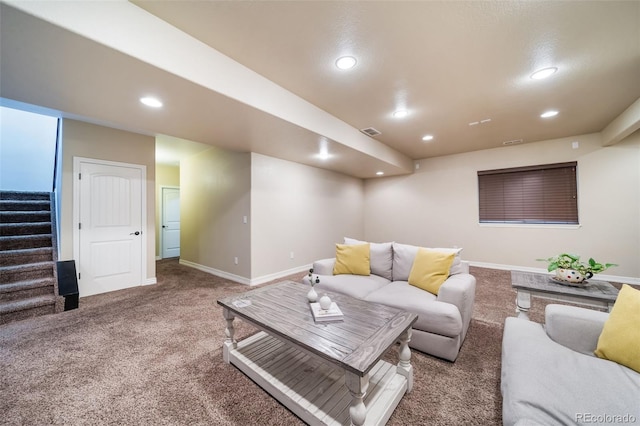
(346, 62)
(379, 173)
(427, 137)
(152, 102)
(548, 114)
(401, 113)
(543, 73)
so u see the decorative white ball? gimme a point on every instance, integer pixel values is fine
(325, 302)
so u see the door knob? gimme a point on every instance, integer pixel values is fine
(135, 233)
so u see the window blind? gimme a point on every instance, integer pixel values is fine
(534, 194)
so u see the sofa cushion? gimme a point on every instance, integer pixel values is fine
(404, 254)
(352, 259)
(546, 383)
(433, 316)
(357, 286)
(430, 269)
(381, 257)
(620, 337)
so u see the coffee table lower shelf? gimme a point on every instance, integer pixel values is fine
(312, 389)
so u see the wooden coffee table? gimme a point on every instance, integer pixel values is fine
(596, 294)
(325, 373)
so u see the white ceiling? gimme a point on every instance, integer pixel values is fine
(447, 63)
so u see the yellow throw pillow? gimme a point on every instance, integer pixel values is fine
(352, 259)
(430, 269)
(620, 337)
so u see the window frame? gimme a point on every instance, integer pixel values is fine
(538, 195)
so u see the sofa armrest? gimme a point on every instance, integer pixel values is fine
(464, 266)
(460, 290)
(324, 266)
(576, 328)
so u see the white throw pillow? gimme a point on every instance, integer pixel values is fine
(380, 257)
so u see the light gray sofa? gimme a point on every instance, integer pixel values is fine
(551, 377)
(443, 320)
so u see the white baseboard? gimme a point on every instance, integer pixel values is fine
(602, 277)
(244, 280)
(270, 277)
(150, 281)
(216, 272)
(158, 257)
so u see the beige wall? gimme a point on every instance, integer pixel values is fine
(215, 188)
(437, 206)
(81, 139)
(300, 209)
(166, 175)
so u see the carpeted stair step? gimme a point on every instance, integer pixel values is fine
(29, 228)
(25, 216)
(26, 289)
(17, 310)
(19, 257)
(30, 271)
(25, 242)
(25, 205)
(24, 195)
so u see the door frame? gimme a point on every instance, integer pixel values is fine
(77, 161)
(161, 217)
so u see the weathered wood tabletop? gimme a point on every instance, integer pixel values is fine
(354, 344)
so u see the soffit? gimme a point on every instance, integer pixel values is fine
(48, 66)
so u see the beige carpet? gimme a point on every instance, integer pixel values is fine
(152, 355)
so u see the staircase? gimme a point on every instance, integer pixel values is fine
(28, 255)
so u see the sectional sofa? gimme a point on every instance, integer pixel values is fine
(443, 318)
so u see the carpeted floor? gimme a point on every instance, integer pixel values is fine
(152, 355)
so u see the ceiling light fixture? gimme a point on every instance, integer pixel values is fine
(427, 138)
(151, 102)
(548, 114)
(543, 73)
(346, 62)
(380, 173)
(401, 113)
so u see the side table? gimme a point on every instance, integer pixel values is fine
(595, 294)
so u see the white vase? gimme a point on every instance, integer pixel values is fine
(325, 302)
(312, 295)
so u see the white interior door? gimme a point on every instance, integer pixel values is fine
(170, 222)
(110, 200)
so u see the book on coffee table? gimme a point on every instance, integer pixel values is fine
(324, 315)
